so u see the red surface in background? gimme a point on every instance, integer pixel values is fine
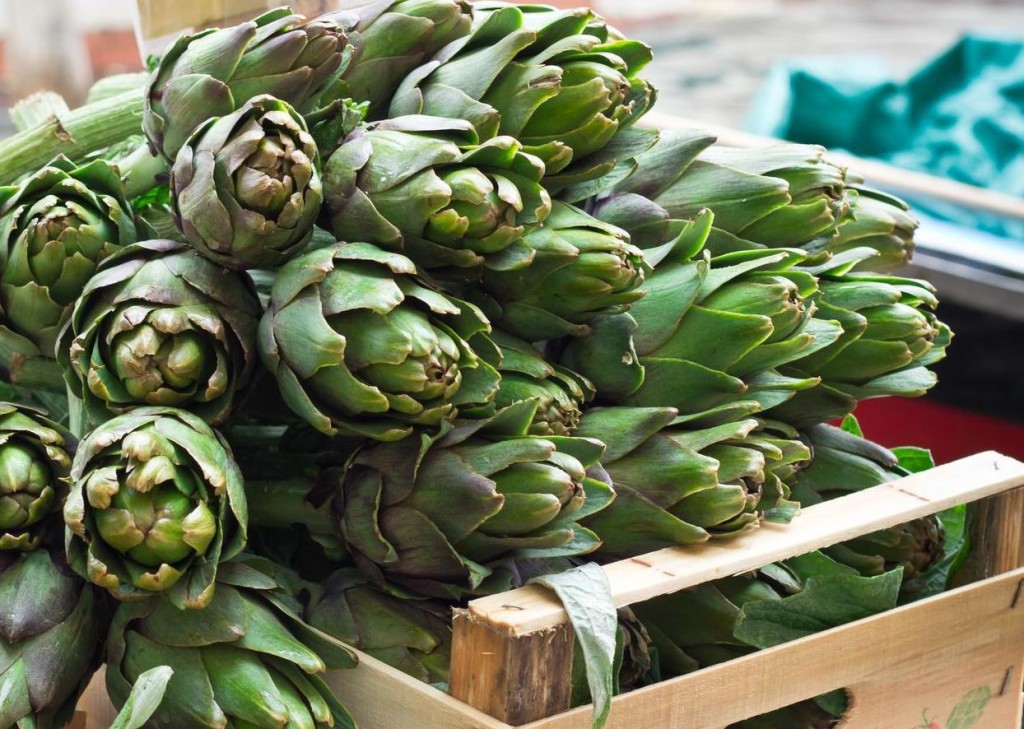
(949, 432)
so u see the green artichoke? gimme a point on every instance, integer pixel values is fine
(414, 636)
(680, 481)
(361, 346)
(55, 229)
(845, 463)
(560, 81)
(890, 339)
(708, 332)
(425, 186)
(157, 503)
(560, 393)
(439, 515)
(51, 638)
(35, 461)
(582, 268)
(390, 38)
(158, 325)
(214, 72)
(246, 186)
(786, 195)
(248, 659)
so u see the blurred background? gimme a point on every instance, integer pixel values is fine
(935, 86)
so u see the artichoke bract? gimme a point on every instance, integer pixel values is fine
(248, 659)
(581, 269)
(246, 186)
(425, 186)
(56, 227)
(51, 638)
(683, 482)
(35, 463)
(214, 72)
(517, 496)
(159, 325)
(560, 81)
(156, 504)
(755, 306)
(414, 636)
(361, 346)
(390, 38)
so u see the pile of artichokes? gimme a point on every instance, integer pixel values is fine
(393, 308)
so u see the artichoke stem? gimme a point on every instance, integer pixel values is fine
(140, 170)
(32, 372)
(75, 134)
(281, 504)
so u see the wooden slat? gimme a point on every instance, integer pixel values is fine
(159, 18)
(516, 680)
(997, 537)
(533, 608)
(924, 657)
(382, 697)
(876, 173)
(99, 712)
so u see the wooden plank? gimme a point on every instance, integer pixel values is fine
(897, 665)
(877, 173)
(382, 697)
(159, 18)
(997, 537)
(516, 679)
(533, 608)
(99, 712)
(78, 721)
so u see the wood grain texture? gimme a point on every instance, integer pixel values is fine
(923, 657)
(514, 679)
(997, 536)
(532, 608)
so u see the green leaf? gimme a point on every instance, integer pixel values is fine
(586, 596)
(145, 698)
(958, 546)
(827, 601)
(914, 459)
(851, 425)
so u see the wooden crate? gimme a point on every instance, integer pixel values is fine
(512, 652)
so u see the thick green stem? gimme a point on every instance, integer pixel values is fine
(36, 108)
(141, 170)
(75, 134)
(22, 364)
(281, 504)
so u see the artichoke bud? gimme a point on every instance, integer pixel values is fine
(266, 213)
(157, 503)
(361, 346)
(56, 227)
(35, 461)
(581, 269)
(429, 187)
(162, 326)
(519, 496)
(215, 72)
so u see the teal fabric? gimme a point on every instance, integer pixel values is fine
(961, 116)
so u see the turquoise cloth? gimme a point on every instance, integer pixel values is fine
(961, 116)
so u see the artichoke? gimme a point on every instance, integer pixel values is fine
(414, 636)
(560, 81)
(845, 463)
(214, 72)
(157, 503)
(35, 461)
(361, 346)
(680, 481)
(426, 187)
(158, 325)
(582, 268)
(709, 332)
(55, 229)
(246, 186)
(51, 638)
(890, 339)
(439, 515)
(247, 660)
(560, 393)
(390, 38)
